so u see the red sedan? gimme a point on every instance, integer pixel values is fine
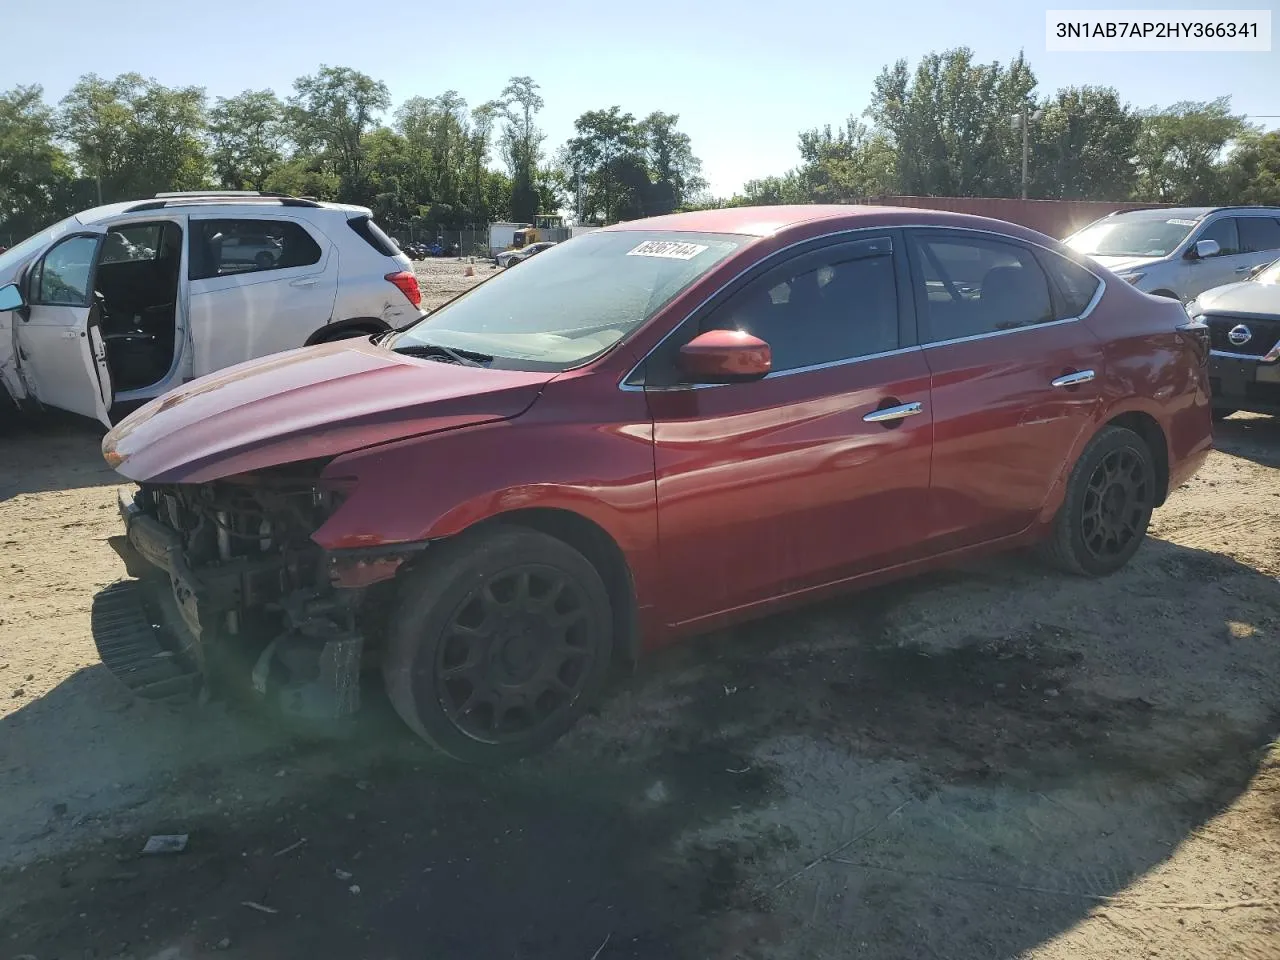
(650, 431)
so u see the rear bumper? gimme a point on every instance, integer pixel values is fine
(1242, 383)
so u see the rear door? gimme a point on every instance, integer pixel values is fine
(64, 357)
(1259, 242)
(814, 474)
(1015, 378)
(258, 285)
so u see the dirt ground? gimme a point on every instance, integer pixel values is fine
(995, 762)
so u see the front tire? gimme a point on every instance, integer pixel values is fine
(1104, 516)
(498, 644)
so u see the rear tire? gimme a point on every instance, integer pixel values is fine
(1104, 516)
(498, 644)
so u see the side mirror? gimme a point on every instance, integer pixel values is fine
(1203, 249)
(725, 356)
(11, 298)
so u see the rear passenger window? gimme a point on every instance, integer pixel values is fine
(373, 235)
(221, 248)
(1076, 285)
(1258, 234)
(975, 286)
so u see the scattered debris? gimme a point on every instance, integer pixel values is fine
(729, 690)
(258, 906)
(290, 848)
(222, 944)
(600, 949)
(166, 843)
(354, 888)
(842, 848)
(1051, 691)
(745, 769)
(363, 784)
(18, 692)
(342, 874)
(59, 809)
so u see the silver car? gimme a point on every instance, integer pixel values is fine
(1180, 252)
(1244, 337)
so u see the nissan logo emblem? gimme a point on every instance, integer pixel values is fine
(1239, 335)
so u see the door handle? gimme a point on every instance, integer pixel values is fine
(304, 282)
(890, 414)
(1073, 379)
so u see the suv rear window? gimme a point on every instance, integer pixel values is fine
(372, 234)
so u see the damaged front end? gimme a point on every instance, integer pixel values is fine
(249, 595)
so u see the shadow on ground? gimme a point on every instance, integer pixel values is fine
(961, 766)
(1255, 438)
(56, 451)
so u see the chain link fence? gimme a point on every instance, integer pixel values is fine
(471, 240)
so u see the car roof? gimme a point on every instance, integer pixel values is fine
(768, 221)
(1187, 213)
(110, 210)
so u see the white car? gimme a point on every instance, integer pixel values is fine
(120, 304)
(1180, 252)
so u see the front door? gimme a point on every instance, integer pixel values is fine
(814, 474)
(258, 286)
(1015, 378)
(63, 355)
(1228, 265)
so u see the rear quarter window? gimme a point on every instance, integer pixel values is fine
(1076, 285)
(372, 234)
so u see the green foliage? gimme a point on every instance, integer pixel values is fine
(330, 113)
(247, 134)
(521, 143)
(626, 168)
(1253, 172)
(1084, 144)
(135, 136)
(1180, 152)
(36, 178)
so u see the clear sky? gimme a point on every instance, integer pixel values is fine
(745, 76)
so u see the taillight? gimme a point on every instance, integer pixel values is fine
(407, 283)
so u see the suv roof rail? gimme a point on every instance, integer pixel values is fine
(183, 198)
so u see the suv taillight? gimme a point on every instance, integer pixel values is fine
(407, 283)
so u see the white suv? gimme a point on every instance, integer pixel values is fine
(122, 303)
(1181, 252)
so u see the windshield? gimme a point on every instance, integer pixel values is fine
(573, 301)
(1271, 274)
(15, 256)
(1135, 237)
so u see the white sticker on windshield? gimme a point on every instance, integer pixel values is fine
(1182, 223)
(669, 249)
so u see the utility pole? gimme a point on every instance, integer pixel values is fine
(1025, 150)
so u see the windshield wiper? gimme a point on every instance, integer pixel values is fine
(434, 351)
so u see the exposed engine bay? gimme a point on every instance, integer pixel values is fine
(252, 592)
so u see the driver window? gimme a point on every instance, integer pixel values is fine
(62, 278)
(824, 307)
(1224, 231)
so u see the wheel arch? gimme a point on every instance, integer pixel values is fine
(1148, 428)
(599, 547)
(1163, 292)
(352, 327)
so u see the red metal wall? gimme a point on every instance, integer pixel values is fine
(1057, 218)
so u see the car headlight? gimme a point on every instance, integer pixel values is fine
(1131, 277)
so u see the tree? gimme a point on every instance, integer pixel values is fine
(846, 165)
(521, 143)
(135, 136)
(248, 135)
(36, 179)
(1083, 146)
(1180, 151)
(331, 111)
(608, 158)
(1253, 169)
(676, 172)
(950, 123)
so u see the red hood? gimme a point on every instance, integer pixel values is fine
(313, 402)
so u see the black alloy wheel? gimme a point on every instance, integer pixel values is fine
(1107, 506)
(500, 642)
